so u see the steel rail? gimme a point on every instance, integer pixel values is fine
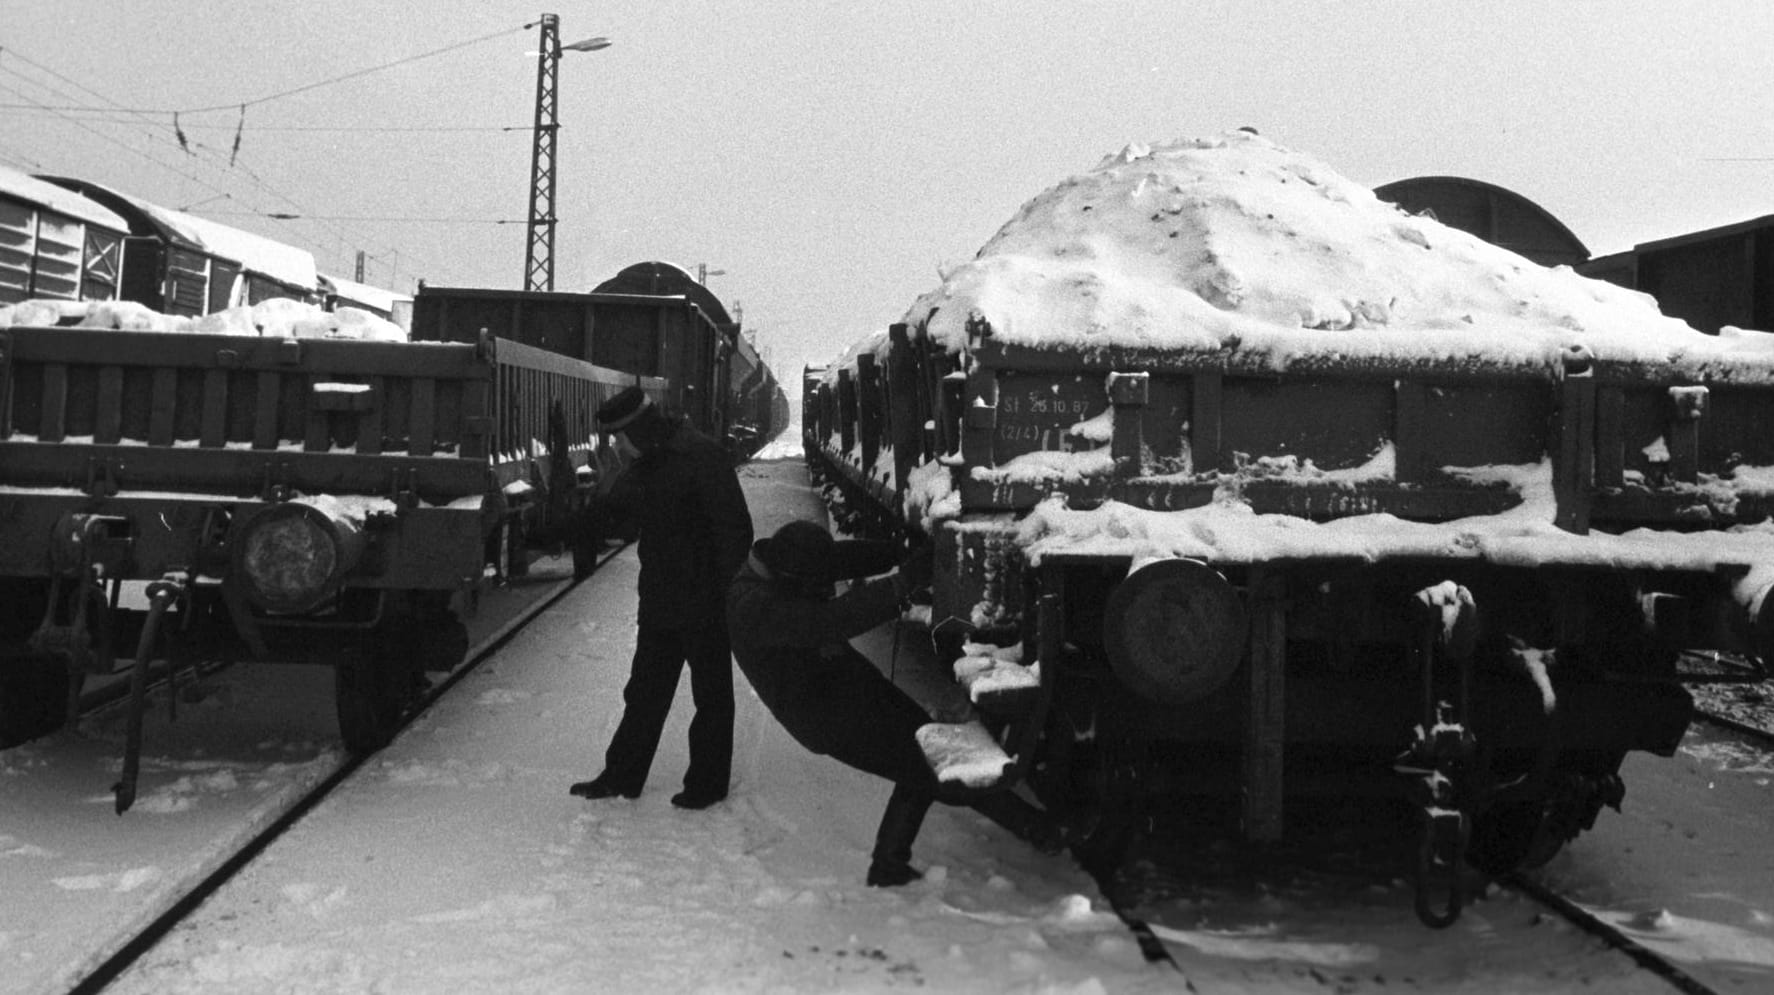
(1609, 934)
(181, 908)
(1765, 736)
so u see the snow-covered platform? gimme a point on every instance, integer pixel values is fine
(457, 861)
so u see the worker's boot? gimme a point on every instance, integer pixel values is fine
(891, 865)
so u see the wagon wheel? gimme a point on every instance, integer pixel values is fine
(373, 687)
(1525, 834)
(517, 549)
(585, 541)
(366, 702)
(1097, 790)
(422, 635)
(1115, 824)
(35, 689)
(1513, 836)
(585, 548)
(378, 681)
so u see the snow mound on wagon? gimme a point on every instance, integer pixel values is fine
(1236, 243)
(276, 317)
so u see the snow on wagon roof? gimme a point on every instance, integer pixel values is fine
(363, 293)
(286, 264)
(283, 263)
(1237, 243)
(60, 200)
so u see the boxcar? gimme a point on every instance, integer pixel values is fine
(178, 263)
(56, 244)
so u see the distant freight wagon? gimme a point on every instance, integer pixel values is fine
(652, 319)
(69, 239)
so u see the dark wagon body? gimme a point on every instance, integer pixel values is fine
(1499, 216)
(1250, 491)
(309, 500)
(757, 408)
(760, 409)
(1267, 678)
(1711, 279)
(664, 325)
(666, 337)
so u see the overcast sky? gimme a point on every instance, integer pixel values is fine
(832, 157)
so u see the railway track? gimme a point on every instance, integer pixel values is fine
(1156, 952)
(1613, 936)
(1233, 885)
(114, 692)
(1761, 734)
(132, 949)
(1739, 698)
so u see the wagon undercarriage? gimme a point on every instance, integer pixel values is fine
(1471, 592)
(1499, 702)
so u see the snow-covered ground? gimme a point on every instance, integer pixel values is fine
(457, 862)
(79, 880)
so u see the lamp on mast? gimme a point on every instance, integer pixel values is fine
(539, 259)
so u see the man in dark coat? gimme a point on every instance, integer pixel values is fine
(683, 495)
(790, 637)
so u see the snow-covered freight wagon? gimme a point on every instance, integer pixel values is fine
(54, 243)
(278, 494)
(68, 239)
(1248, 486)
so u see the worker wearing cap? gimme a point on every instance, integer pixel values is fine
(790, 637)
(681, 493)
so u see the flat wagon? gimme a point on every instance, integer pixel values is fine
(318, 500)
(1254, 537)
